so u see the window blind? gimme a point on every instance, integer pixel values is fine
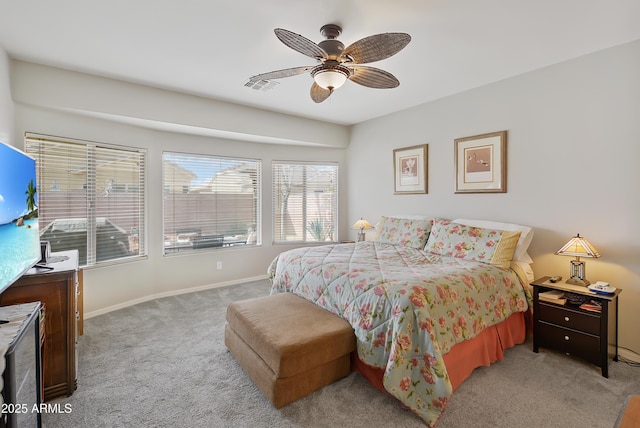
(92, 198)
(305, 202)
(210, 202)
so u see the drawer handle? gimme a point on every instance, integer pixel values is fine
(566, 319)
(566, 338)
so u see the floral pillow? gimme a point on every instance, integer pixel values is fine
(478, 244)
(410, 232)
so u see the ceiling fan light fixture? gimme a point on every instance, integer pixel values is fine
(330, 76)
(338, 64)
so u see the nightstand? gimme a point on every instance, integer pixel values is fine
(574, 331)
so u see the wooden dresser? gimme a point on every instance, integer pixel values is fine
(59, 291)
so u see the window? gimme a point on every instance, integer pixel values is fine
(305, 202)
(210, 202)
(92, 198)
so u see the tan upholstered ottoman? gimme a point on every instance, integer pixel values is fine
(288, 346)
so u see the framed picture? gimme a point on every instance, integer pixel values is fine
(481, 163)
(410, 170)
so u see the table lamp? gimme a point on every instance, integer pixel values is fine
(578, 247)
(362, 224)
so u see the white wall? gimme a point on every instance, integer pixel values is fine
(6, 104)
(572, 158)
(62, 103)
(113, 100)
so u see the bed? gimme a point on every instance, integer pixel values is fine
(429, 300)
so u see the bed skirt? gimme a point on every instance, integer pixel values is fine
(484, 349)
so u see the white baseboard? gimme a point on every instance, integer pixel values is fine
(92, 314)
(629, 355)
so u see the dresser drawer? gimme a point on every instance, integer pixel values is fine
(571, 342)
(569, 318)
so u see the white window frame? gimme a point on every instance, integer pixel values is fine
(305, 218)
(206, 181)
(42, 148)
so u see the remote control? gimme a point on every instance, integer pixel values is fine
(555, 279)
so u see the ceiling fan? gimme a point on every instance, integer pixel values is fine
(339, 64)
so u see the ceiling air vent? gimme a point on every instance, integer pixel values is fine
(261, 85)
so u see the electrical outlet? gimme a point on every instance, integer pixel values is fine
(219, 265)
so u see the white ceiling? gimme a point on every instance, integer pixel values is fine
(211, 47)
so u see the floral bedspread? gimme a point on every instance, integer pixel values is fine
(407, 307)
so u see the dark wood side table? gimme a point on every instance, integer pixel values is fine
(57, 289)
(21, 351)
(574, 331)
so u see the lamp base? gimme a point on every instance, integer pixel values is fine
(361, 236)
(576, 273)
(578, 281)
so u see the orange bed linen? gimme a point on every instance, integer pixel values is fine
(484, 349)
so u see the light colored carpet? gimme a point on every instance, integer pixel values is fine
(163, 363)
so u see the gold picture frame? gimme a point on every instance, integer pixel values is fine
(410, 174)
(481, 163)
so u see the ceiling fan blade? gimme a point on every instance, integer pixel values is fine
(318, 93)
(372, 77)
(300, 43)
(376, 47)
(279, 74)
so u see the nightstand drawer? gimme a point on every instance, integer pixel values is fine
(571, 342)
(564, 317)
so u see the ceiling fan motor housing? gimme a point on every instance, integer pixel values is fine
(332, 47)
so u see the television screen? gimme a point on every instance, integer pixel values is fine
(19, 233)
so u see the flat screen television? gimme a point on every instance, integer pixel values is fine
(19, 232)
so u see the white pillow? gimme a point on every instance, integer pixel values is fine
(526, 235)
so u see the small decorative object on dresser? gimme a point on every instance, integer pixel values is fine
(587, 328)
